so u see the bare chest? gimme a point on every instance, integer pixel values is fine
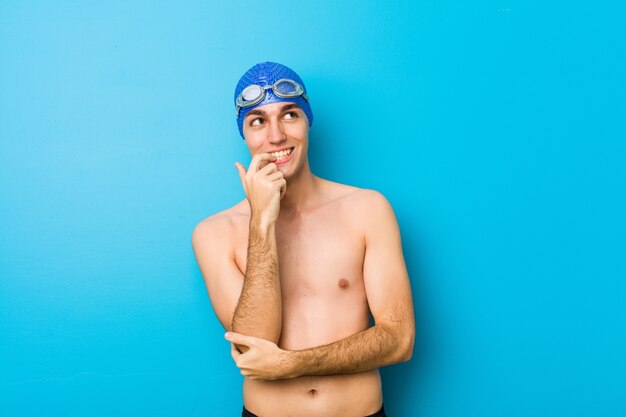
(319, 254)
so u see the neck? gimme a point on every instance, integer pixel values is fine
(302, 191)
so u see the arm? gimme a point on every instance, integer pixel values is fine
(213, 242)
(234, 295)
(388, 290)
(249, 302)
(259, 309)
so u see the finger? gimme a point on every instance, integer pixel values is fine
(256, 159)
(239, 339)
(275, 176)
(268, 169)
(266, 161)
(282, 183)
(255, 163)
(242, 172)
(234, 352)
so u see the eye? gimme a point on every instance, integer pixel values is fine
(256, 122)
(291, 115)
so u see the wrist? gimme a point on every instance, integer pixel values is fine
(261, 225)
(289, 364)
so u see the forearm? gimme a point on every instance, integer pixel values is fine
(384, 344)
(259, 309)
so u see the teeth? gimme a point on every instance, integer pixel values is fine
(282, 154)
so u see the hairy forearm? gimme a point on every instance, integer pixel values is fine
(384, 344)
(259, 309)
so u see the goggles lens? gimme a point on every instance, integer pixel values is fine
(254, 94)
(286, 87)
(251, 92)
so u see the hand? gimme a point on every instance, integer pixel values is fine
(264, 186)
(262, 360)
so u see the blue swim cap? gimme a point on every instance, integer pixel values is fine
(267, 73)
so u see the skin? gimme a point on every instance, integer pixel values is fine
(293, 272)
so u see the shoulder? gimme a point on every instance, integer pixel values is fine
(373, 212)
(354, 197)
(221, 226)
(364, 200)
(370, 199)
(370, 213)
(363, 207)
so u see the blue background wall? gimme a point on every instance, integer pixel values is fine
(495, 128)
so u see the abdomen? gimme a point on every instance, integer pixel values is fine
(357, 395)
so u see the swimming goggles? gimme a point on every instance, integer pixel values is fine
(254, 93)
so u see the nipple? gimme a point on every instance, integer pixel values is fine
(343, 283)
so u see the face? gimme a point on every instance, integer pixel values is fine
(280, 128)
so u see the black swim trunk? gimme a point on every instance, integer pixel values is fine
(379, 413)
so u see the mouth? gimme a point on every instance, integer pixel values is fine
(283, 156)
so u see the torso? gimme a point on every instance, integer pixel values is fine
(321, 254)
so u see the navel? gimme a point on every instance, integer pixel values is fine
(312, 392)
(343, 283)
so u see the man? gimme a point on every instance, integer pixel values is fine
(294, 270)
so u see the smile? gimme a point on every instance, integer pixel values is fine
(282, 156)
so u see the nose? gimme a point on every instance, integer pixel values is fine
(276, 133)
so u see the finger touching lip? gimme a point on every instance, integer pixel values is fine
(262, 159)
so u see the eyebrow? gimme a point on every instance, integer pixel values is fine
(282, 109)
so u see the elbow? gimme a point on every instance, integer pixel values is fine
(403, 341)
(406, 345)
(407, 354)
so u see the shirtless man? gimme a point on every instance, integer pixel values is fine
(294, 270)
